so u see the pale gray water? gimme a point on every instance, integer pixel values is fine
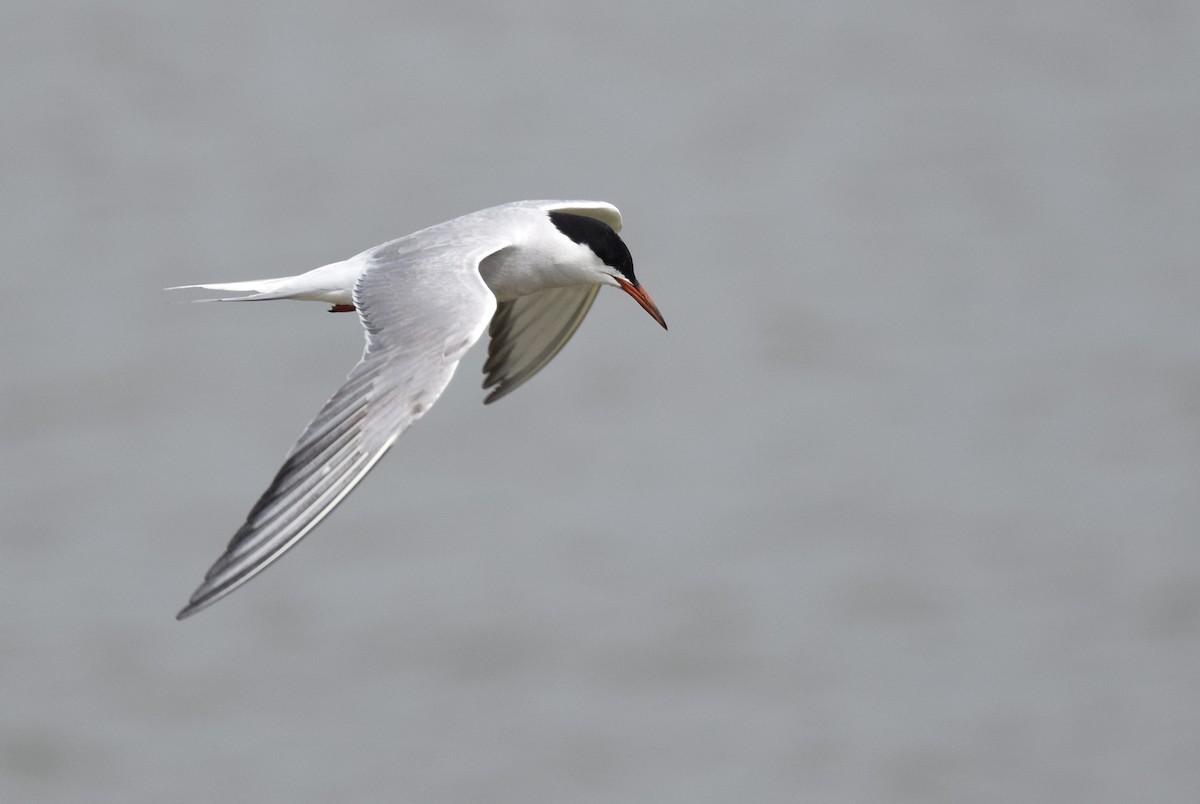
(903, 508)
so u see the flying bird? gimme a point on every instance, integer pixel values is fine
(527, 272)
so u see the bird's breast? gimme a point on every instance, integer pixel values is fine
(516, 271)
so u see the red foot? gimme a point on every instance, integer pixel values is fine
(342, 308)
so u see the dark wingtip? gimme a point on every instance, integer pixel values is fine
(496, 393)
(198, 603)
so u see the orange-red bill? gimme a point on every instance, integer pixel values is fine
(640, 295)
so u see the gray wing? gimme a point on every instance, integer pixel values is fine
(530, 330)
(423, 304)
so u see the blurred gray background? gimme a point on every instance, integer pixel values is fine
(903, 508)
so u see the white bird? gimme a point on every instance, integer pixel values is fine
(530, 268)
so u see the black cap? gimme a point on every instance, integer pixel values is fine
(600, 238)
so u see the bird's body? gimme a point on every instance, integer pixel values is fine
(529, 269)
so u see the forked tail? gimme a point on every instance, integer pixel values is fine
(258, 289)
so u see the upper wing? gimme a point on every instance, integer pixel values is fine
(423, 304)
(528, 331)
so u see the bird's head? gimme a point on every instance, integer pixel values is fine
(612, 264)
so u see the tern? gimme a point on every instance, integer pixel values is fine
(527, 272)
